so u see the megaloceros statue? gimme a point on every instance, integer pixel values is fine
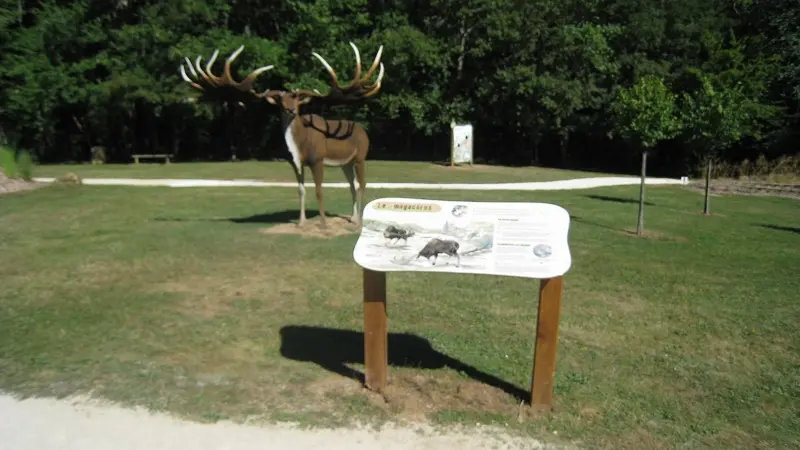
(311, 140)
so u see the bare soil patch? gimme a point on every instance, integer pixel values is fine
(336, 226)
(417, 396)
(13, 185)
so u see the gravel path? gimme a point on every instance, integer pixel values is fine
(578, 183)
(80, 424)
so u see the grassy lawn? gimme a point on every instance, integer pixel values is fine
(176, 300)
(377, 171)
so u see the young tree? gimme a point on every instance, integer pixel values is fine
(719, 114)
(645, 114)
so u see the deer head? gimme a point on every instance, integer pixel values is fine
(227, 89)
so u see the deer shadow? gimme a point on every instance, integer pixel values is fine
(607, 198)
(333, 349)
(578, 219)
(795, 230)
(285, 216)
(276, 217)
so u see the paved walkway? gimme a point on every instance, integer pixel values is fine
(577, 183)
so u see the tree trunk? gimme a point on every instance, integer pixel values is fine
(152, 131)
(228, 124)
(133, 129)
(640, 223)
(706, 201)
(462, 48)
(408, 145)
(537, 138)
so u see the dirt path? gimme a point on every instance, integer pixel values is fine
(80, 424)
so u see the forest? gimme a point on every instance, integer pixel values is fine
(580, 84)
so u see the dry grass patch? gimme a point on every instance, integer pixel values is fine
(274, 287)
(208, 296)
(639, 438)
(655, 235)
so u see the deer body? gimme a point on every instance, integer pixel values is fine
(316, 142)
(311, 140)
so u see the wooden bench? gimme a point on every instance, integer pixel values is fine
(137, 157)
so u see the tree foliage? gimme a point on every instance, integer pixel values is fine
(646, 113)
(537, 78)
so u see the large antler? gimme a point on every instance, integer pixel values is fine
(355, 91)
(224, 87)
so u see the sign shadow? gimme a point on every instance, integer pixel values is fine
(333, 349)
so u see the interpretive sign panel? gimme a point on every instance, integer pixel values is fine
(509, 238)
(461, 151)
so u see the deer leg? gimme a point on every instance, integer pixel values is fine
(362, 184)
(318, 171)
(301, 191)
(349, 173)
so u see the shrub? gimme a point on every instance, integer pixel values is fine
(7, 162)
(25, 165)
(783, 168)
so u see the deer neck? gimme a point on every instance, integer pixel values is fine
(293, 134)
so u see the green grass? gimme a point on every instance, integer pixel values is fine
(377, 171)
(175, 300)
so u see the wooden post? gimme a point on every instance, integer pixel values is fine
(376, 339)
(544, 355)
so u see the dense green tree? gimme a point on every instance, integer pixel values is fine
(537, 78)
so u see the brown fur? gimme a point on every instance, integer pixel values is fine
(323, 142)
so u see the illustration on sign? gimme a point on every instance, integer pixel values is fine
(462, 144)
(509, 238)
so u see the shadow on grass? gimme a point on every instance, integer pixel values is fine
(795, 230)
(289, 215)
(606, 198)
(578, 219)
(286, 216)
(333, 349)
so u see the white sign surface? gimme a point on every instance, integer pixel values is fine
(513, 239)
(462, 144)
